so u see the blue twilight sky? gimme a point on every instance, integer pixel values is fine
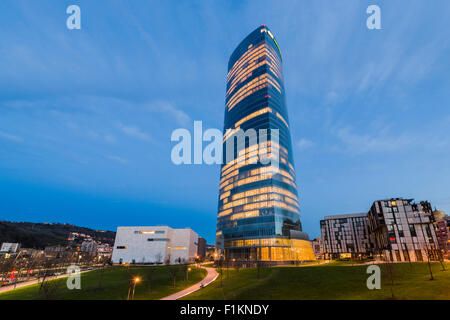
(86, 115)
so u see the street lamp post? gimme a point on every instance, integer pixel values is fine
(187, 274)
(133, 282)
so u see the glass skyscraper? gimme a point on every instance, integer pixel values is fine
(258, 212)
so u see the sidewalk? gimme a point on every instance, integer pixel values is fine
(210, 277)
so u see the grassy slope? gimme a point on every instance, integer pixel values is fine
(115, 285)
(329, 282)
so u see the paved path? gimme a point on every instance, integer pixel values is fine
(210, 277)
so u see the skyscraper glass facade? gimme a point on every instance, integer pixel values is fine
(258, 212)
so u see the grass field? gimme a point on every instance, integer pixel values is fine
(335, 280)
(114, 285)
(329, 281)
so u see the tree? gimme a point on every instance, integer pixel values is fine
(237, 265)
(48, 289)
(101, 272)
(158, 258)
(6, 266)
(184, 268)
(390, 269)
(47, 266)
(173, 270)
(220, 269)
(258, 269)
(150, 271)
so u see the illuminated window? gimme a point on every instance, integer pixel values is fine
(150, 232)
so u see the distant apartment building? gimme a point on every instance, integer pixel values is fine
(442, 228)
(403, 230)
(104, 250)
(345, 236)
(210, 251)
(89, 247)
(201, 251)
(54, 251)
(31, 252)
(8, 247)
(442, 234)
(154, 245)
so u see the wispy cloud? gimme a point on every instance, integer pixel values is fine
(134, 132)
(10, 137)
(304, 143)
(102, 137)
(117, 159)
(169, 108)
(382, 140)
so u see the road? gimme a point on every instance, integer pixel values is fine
(29, 283)
(210, 277)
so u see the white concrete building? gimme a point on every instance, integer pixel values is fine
(10, 247)
(154, 245)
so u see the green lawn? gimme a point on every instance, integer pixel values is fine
(329, 282)
(115, 285)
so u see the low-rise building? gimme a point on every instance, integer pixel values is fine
(89, 247)
(31, 252)
(317, 247)
(154, 245)
(104, 251)
(442, 233)
(210, 251)
(442, 228)
(345, 236)
(201, 251)
(54, 251)
(8, 247)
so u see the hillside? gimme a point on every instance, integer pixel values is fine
(39, 235)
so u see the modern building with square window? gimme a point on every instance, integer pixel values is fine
(403, 230)
(345, 236)
(394, 229)
(158, 245)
